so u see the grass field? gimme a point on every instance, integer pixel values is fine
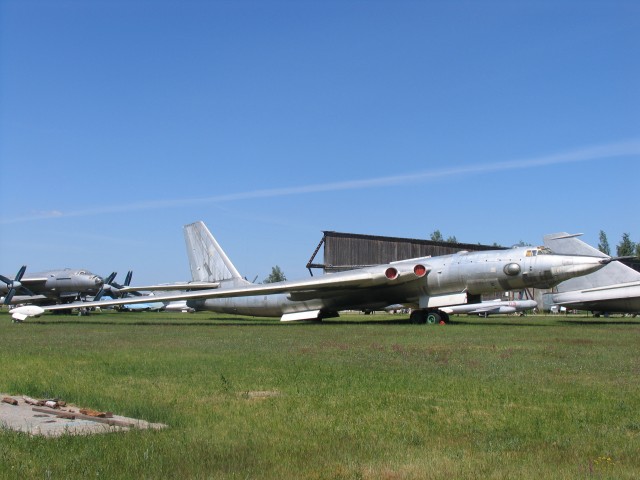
(359, 397)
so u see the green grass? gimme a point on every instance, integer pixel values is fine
(359, 397)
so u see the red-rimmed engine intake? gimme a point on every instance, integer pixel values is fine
(420, 270)
(391, 273)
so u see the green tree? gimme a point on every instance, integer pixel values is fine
(626, 247)
(603, 246)
(276, 275)
(452, 239)
(436, 236)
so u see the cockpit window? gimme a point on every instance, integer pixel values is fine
(538, 251)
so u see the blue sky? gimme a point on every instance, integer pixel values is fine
(495, 121)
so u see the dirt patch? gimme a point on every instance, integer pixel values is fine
(260, 395)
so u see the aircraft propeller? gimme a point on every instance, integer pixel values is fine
(114, 288)
(127, 283)
(15, 285)
(107, 284)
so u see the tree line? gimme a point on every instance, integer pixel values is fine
(625, 248)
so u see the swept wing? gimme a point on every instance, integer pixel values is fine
(328, 285)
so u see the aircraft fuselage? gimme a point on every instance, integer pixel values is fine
(53, 284)
(451, 279)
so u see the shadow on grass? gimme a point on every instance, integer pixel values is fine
(219, 322)
(216, 322)
(232, 321)
(497, 323)
(601, 322)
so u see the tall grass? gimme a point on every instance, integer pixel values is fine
(356, 397)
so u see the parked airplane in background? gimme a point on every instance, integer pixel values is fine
(152, 306)
(490, 307)
(613, 289)
(115, 290)
(425, 284)
(53, 285)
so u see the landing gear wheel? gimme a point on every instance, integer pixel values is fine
(430, 317)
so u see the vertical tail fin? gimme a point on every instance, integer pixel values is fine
(207, 260)
(568, 244)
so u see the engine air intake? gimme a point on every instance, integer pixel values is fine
(391, 273)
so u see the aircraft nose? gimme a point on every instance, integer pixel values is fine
(577, 265)
(98, 281)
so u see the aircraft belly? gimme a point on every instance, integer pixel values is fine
(373, 298)
(277, 305)
(261, 306)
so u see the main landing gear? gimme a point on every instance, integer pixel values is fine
(429, 317)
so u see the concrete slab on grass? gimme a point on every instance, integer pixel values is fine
(45, 421)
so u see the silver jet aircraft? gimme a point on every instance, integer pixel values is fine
(491, 307)
(448, 285)
(56, 285)
(425, 284)
(613, 289)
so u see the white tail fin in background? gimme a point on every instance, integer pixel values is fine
(207, 260)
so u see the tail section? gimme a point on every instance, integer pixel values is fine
(614, 273)
(207, 260)
(568, 244)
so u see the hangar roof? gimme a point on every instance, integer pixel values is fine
(343, 251)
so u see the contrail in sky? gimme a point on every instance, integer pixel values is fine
(623, 149)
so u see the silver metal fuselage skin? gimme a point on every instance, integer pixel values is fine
(470, 273)
(492, 307)
(55, 285)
